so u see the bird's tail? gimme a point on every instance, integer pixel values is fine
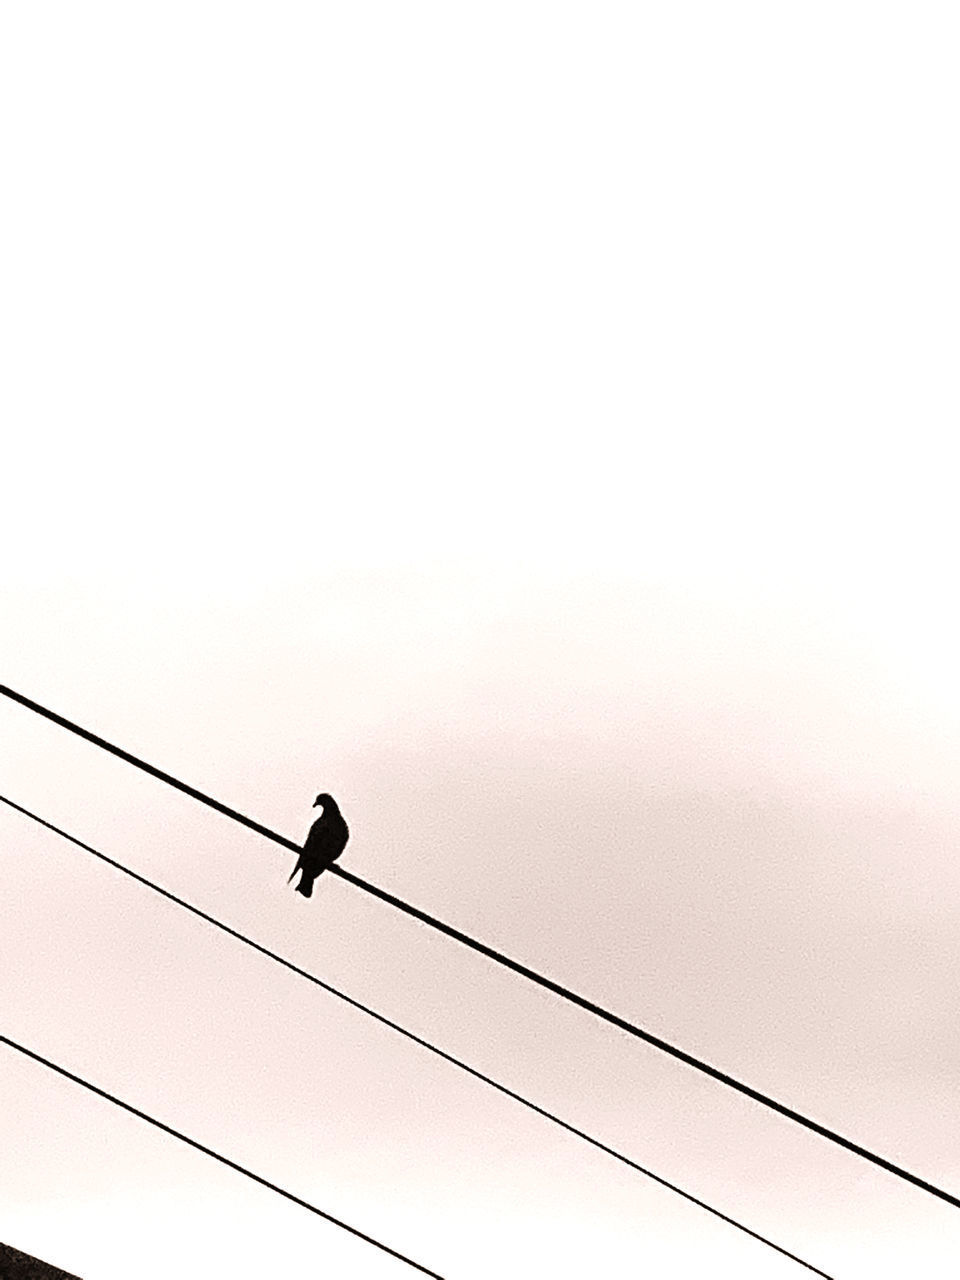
(306, 885)
(308, 873)
(306, 880)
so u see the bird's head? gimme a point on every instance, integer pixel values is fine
(323, 799)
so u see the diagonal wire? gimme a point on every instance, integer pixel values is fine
(215, 1155)
(565, 993)
(425, 1044)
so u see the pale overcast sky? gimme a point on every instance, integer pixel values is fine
(533, 424)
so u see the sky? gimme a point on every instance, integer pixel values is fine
(532, 424)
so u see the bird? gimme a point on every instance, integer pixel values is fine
(324, 844)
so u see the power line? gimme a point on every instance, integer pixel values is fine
(215, 1155)
(548, 984)
(394, 1026)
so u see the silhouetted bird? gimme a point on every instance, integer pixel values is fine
(324, 844)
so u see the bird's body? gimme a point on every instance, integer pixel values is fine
(325, 842)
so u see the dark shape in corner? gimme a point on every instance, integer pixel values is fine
(15, 1265)
(324, 844)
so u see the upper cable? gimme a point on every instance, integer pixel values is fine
(492, 953)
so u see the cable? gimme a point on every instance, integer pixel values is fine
(394, 1026)
(207, 1151)
(547, 983)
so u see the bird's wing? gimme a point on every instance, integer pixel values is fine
(315, 841)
